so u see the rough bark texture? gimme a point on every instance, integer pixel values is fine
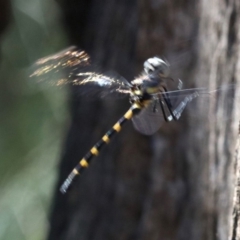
(235, 234)
(179, 183)
(218, 64)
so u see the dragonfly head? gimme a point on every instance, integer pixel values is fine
(156, 67)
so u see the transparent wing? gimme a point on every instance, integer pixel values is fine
(198, 100)
(150, 119)
(51, 67)
(72, 66)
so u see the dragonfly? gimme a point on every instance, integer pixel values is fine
(154, 96)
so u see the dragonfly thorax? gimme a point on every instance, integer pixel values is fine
(139, 95)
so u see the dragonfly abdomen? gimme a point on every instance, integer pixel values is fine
(94, 151)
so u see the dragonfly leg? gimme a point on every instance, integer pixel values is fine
(154, 108)
(163, 110)
(169, 105)
(163, 100)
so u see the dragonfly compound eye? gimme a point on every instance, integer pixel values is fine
(157, 67)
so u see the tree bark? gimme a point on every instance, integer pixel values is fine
(179, 183)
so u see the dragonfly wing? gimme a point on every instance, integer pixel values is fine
(91, 83)
(52, 67)
(180, 104)
(72, 66)
(205, 98)
(149, 120)
(184, 98)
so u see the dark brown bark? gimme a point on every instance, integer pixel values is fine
(179, 183)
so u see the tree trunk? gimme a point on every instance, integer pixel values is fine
(179, 183)
(199, 192)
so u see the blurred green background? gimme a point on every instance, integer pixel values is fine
(32, 122)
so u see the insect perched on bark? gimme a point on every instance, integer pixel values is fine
(154, 96)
